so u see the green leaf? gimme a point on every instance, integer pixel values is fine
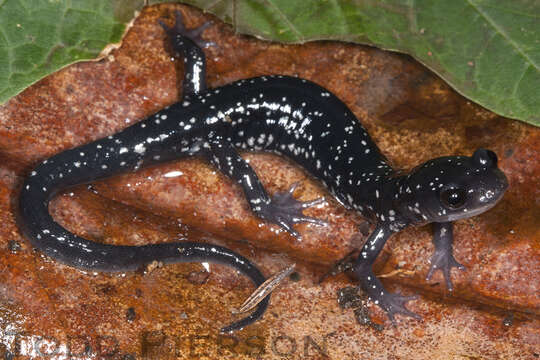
(488, 50)
(38, 37)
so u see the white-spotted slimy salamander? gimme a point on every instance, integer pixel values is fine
(289, 116)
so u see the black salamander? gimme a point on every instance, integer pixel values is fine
(285, 115)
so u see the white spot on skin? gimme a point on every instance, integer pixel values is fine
(140, 149)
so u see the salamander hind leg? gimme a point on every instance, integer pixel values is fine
(283, 209)
(178, 30)
(189, 44)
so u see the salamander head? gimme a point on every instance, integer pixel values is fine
(451, 188)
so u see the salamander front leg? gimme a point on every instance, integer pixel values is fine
(281, 208)
(442, 258)
(392, 303)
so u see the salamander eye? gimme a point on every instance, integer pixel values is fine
(453, 198)
(485, 157)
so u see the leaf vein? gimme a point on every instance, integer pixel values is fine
(503, 34)
(411, 16)
(283, 16)
(9, 49)
(514, 91)
(508, 11)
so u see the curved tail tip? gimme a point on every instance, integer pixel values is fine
(253, 317)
